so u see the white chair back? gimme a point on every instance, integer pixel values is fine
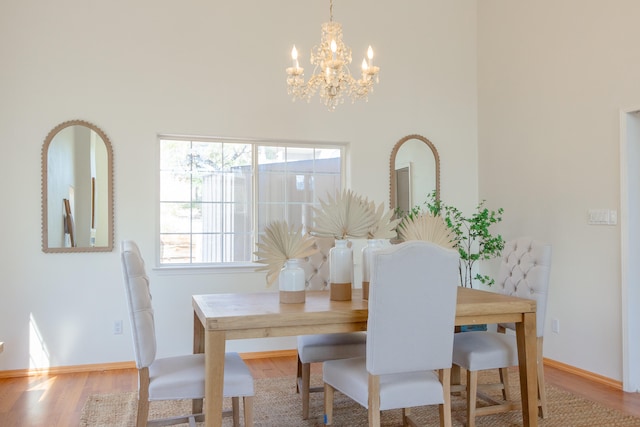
(412, 304)
(524, 272)
(139, 304)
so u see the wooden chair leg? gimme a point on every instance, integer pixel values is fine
(406, 413)
(235, 411)
(328, 404)
(196, 406)
(506, 384)
(143, 413)
(455, 378)
(374, 401)
(542, 393)
(143, 397)
(298, 375)
(472, 391)
(504, 373)
(247, 402)
(445, 408)
(306, 380)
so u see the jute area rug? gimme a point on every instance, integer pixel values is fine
(277, 404)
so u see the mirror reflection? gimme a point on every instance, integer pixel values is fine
(414, 173)
(77, 194)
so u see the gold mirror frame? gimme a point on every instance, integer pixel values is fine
(392, 167)
(45, 206)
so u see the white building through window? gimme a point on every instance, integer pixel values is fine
(218, 194)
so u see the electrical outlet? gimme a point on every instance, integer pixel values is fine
(555, 326)
(117, 327)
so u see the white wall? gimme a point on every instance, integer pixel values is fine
(552, 76)
(136, 69)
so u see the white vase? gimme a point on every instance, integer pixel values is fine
(291, 282)
(367, 253)
(341, 271)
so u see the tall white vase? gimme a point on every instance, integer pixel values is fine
(341, 271)
(291, 282)
(367, 252)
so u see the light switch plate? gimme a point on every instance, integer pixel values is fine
(602, 217)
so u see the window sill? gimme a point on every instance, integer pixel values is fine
(185, 269)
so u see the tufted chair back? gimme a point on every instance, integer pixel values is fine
(524, 273)
(139, 303)
(316, 267)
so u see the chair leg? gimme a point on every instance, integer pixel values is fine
(247, 402)
(406, 413)
(504, 374)
(143, 412)
(298, 375)
(196, 406)
(374, 400)
(504, 379)
(306, 380)
(472, 391)
(143, 397)
(455, 378)
(445, 408)
(328, 404)
(235, 411)
(542, 393)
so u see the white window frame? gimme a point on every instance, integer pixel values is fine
(232, 267)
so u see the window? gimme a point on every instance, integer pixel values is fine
(217, 195)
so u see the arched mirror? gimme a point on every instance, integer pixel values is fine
(77, 189)
(414, 172)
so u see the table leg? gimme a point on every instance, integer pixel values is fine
(214, 377)
(526, 336)
(198, 347)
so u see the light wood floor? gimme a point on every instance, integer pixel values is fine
(57, 400)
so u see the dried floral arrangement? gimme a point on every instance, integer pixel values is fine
(351, 216)
(428, 227)
(281, 242)
(383, 227)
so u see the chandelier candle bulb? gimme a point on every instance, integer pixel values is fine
(294, 57)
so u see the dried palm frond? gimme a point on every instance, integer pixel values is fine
(280, 243)
(383, 227)
(348, 215)
(429, 228)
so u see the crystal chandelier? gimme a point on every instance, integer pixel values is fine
(331, 76)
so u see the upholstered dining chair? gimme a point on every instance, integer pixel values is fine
(322, 347)
(524, 272)
(179, 377)
(410, 329)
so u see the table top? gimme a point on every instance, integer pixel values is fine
(236, 312)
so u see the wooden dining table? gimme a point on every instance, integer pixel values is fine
(222, 317)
